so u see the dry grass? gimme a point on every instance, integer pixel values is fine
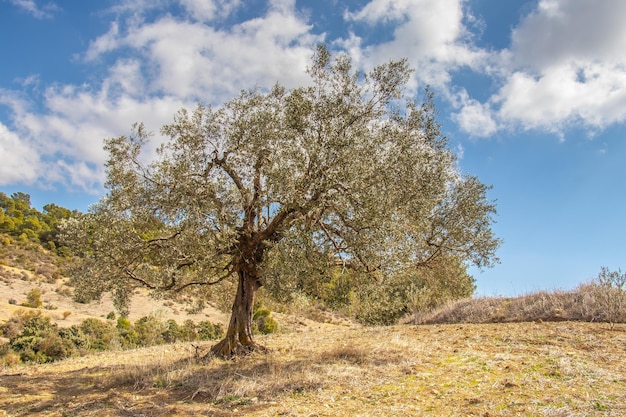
(583, 304)
(526, 369)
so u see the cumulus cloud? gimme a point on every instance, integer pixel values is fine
(104, 43)
(593, 94)
(566, 67)
(198, 61)
(68, 138)
(430, 33)
(154, 68)
(19, 163)
(475, 118)
(562, 31)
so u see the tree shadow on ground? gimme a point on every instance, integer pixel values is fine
(187, 386)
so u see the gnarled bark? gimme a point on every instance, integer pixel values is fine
(238, 339)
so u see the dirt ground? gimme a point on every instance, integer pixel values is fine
(527, 369)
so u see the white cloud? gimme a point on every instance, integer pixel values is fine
(19, 162)
(562, 31)
(154, 69)
(430, 33)
(65, 143)
(197, 61)
(45, 11)
(207, 10)
(104, 43)
(475, 118)
(588, 93)
(566, 67)
(382, 11)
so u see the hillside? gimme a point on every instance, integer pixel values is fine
(326, 367)
(542, 369)
(28, 266)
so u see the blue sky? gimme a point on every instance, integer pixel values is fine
(531, 93)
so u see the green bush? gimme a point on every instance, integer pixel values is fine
(173, 332)
(52, 347)
(209, 331)
(123, 323)
(260, 313)
(38, 340)
(262, 322)
(75, 340)
(378, 305)
(34, 338)
(101, 335)
(33, 299)
(127, 334)
(267, 325)
(189, 331)
(150, 330)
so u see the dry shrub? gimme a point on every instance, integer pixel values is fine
(9, 359)
(586, 303)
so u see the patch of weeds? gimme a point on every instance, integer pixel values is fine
(350, 354)
(160, 382)
(600, 407)
(233, 400)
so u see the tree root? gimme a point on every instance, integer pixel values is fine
(227, 350)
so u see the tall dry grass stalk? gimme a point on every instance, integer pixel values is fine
(586, 303)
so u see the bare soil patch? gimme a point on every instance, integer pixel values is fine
(525, 369)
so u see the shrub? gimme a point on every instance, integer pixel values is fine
(262, 321)
(128, 336)
(185, 333)
(189, 330)
(267, 325)
(209, 331)
(52, 347)
(123, 323)
(38, 340)
(34, 338)
(173, 332)
(260, 312)
(33, 299)
(611, 289)
(101, 335)
(5, 347)
(378, 304)
(74, 339)
(9, 359)
(150, 330)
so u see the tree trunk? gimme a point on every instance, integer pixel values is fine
(238, 339)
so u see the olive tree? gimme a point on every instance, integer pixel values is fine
(346, 169)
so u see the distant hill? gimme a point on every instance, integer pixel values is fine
(25, 266)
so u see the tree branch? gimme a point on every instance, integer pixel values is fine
(235, 178)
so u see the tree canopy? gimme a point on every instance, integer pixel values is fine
(346, 172)
(19, 219)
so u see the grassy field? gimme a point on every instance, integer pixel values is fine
(511, 369)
